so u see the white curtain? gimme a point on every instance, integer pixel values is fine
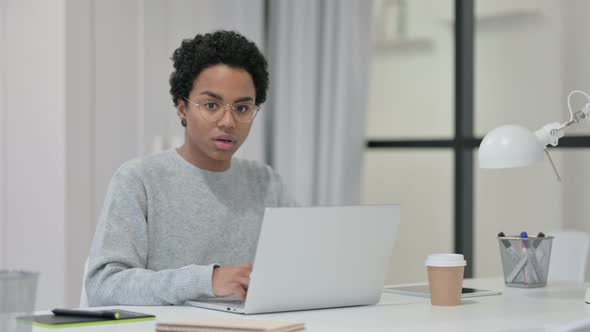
(319, 60)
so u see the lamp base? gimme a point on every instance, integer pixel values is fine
(587, 297)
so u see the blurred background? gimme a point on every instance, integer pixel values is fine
(362, 109)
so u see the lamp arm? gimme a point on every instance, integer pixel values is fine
(551, 133)
(583, 114)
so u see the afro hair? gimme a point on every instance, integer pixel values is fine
(220, 47)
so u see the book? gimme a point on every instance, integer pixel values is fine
(53, 321)
(229, 325)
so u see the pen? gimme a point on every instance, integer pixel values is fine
(532, 266)
(518, 261)
(517, 268)
(523, 236)
(86, 313)
(534, 257)
(514, 256)
(537, 242)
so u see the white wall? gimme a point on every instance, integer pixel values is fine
(514, 84)
(576, 65)
(2, 61)
(420, 181)
(33, 135)
(116, 92)
(161, 26)
(411, 87)
(133, 43)
(411, 95)
(526, 53)
(543, 57)
(84, 87)
(80, 135)
(518, 57)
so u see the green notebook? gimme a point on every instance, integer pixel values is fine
(57, 322)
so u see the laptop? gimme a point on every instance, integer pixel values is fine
(317, 257)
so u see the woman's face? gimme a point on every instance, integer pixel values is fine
(211, 144)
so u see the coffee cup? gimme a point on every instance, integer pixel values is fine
(445, 278)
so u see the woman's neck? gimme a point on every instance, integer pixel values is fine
(202, 161)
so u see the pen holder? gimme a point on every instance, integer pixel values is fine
(525, 260)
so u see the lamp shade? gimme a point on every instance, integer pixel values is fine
(509, 146)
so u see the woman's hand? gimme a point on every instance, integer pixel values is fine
(230, 280)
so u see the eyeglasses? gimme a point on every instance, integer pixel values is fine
(213, 110)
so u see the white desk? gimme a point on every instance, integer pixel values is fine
(516, 309)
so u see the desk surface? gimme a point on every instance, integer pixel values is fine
(540, 309)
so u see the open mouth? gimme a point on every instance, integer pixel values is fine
(225, 143)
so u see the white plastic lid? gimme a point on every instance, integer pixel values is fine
(445, 260)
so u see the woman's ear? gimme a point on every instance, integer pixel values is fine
(181, 109)
(181, 112)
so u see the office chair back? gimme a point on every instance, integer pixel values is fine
(569, 255)
(83, 295)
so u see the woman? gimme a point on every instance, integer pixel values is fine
(184, 223)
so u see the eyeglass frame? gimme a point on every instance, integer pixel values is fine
(225, 107)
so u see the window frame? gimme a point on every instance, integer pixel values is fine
(464, 143)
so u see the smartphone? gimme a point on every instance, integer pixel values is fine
(423, 291)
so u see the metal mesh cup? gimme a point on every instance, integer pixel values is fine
(17, 298)
(525, 261)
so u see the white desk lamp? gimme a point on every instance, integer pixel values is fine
(512, 146)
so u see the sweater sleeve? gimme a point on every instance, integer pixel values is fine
(117, 267)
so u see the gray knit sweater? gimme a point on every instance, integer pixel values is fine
(165, 223)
